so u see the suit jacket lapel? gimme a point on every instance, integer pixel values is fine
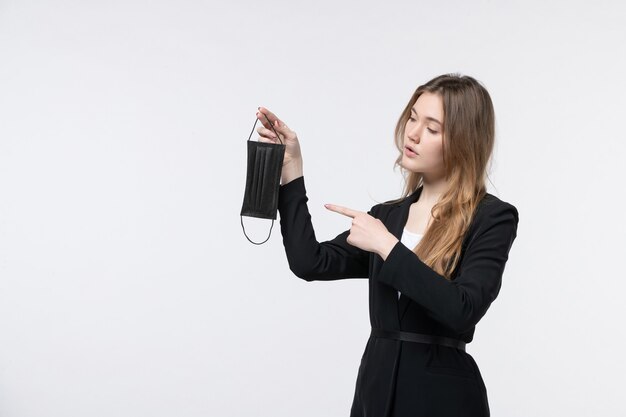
(396, 225)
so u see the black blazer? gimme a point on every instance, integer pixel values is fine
(397, 378)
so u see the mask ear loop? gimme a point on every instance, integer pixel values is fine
(240, 216)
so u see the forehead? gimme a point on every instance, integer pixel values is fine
(429, 105)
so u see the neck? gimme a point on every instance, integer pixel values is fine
(432, 190)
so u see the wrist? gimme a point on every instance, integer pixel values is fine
(291, 171)
(387, 245)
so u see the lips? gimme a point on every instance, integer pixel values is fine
(411, 149)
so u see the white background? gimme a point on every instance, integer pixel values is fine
(127, 287)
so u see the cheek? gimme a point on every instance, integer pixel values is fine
(434, 149)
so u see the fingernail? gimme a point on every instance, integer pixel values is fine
(326, 205)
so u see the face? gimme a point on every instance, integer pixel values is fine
(423, 134)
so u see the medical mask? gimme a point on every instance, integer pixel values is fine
(265, 163)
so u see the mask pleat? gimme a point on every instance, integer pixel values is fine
(257, 178)
(262, 179)
(266, 165)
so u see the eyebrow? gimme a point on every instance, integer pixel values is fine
(428, 118)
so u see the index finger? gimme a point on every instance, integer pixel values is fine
(271, 116)
(342, 210)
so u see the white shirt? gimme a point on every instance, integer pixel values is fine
(410, 240)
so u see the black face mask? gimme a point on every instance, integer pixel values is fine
(265, 163)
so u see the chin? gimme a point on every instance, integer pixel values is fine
(408, 167)
(406, 161)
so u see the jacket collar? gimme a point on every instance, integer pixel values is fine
(398, 221)
(413, 197)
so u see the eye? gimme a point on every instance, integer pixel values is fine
(411, 119)
(432, 131)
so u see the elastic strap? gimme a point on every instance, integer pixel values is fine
(244, 232)
(270, 123)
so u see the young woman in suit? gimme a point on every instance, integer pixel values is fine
(434, 257)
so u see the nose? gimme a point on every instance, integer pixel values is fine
(413, 133)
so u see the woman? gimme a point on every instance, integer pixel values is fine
(434, 257)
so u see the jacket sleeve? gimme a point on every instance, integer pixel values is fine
(458, 304)
(309, 259)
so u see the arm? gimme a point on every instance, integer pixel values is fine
(461, 303)
(309, 259)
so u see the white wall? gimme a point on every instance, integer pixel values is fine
(122, 170)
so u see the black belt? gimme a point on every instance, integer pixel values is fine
(419, 338)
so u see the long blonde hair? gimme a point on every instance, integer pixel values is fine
(468, 141)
